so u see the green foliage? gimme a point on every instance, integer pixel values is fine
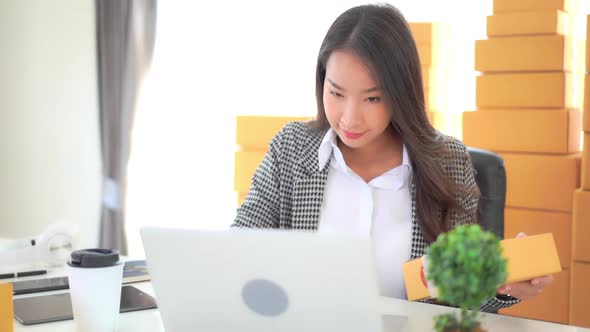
(445, 322)
(467, 266)
(449, 322)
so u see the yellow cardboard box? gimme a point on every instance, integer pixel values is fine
(532, 5)
(586, 162)
(428, 32)
(246, 163)
(587, 43)
(528, 53)
(544, 182)
(241, 198)
(528, 257)
(6, 308)
(586, 116)
(581, 226)
(580, 299)
(255, 132)
(523, 130)
(429, 54)
(551, 305)
(527, 90)
(544, 22)
(533, 222)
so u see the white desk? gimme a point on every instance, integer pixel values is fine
(419, 318)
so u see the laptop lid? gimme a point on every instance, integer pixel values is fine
(262, 280)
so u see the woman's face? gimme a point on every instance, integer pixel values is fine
(353, 102)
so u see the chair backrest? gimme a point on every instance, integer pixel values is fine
(491, 180)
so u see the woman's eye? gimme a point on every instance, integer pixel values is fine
(334, 93)
(373, 100)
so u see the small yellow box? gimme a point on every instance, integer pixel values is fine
(527, 258)
(581, 226)
(586, 162)
(246, 164)
(533, 222)
(528, 53)
(540, 131)
(528, 90)
(544, 182)
(6, 308)
(532, 5)
(586, 116)
(544, 22)
(255, 132)
(530, 257)
(580, 298)
(551, 305)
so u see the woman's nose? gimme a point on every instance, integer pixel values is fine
(351, 115)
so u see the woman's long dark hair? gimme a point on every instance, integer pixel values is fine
(381, 37)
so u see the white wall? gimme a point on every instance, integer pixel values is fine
(49, 143)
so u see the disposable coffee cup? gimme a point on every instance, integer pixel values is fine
(95, 277)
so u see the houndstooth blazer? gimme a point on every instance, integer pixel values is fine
(288, 188)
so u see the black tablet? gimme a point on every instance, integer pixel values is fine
(134, 271)
(57, 307)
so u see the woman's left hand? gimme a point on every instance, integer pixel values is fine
(524, 290)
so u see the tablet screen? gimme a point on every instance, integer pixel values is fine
(57, 307)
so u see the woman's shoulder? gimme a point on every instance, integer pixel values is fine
(299, 135)
(454, 146)
(455, 159)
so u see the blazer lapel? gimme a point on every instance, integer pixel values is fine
(308, 187)
(308, 194)
(418, 243)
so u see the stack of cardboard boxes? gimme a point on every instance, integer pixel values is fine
(580, 285)
(430, 38)
(526, 111)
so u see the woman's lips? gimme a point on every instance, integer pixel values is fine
(352, 135)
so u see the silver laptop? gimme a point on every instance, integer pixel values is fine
(261, 280)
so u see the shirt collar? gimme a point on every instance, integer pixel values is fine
(326, 148)
(329, 146)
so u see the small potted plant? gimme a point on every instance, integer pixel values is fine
(466, 266)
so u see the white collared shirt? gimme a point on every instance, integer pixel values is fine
(381, 209)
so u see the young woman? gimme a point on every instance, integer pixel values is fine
(371, 163)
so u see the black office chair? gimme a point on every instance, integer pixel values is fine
(491, 179)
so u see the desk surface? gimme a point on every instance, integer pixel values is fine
(399, 315)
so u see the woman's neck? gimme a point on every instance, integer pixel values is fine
(387, 144)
